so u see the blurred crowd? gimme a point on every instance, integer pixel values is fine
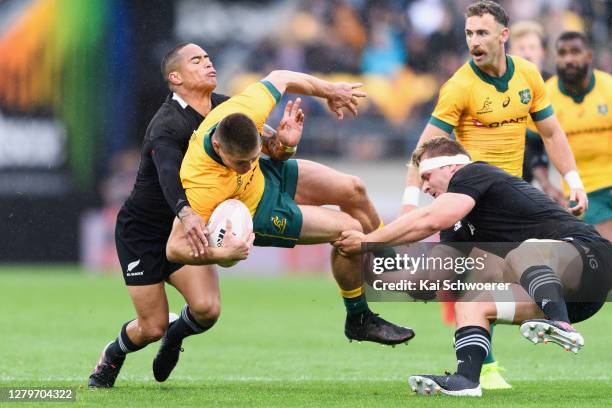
(402, 50)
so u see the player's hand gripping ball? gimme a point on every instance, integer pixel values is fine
(241, 224)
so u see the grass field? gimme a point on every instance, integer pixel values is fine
(279, 342)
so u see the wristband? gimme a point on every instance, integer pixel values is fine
(411, 196)
(289, 149)
(286, 149)
(572, 178)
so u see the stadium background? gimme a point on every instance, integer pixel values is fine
(79, 81)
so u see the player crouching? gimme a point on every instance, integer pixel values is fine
(558, 266)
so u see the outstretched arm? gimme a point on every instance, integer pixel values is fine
(339, 95)
(414, 226)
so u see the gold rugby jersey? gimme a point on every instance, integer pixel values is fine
(489, 115)
(207, 181)
(586, 118)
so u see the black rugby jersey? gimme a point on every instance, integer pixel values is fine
(158, 195)
(509, 210)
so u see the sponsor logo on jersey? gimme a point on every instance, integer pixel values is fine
(525, 96)
(279, 223)
(135, 273)
(132, 265)
(505, 122)
(471, 227)
(457, 226)
(486, 106)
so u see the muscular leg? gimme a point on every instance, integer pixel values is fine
(472, 338)
(547, 270)
(199, 285)
(325, 225)
(151, 306)
(321, 185)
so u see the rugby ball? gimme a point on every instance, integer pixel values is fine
(240, 217)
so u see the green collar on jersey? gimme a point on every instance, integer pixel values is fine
(208, 147)
(500, 83)
(579, 96)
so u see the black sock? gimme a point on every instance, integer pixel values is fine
(546, 290)
(185, 325)
(122, 345)
(472, 344)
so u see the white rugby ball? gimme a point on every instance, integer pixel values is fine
(240, 217)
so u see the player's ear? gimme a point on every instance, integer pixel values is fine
(174, 78)
(505, 34)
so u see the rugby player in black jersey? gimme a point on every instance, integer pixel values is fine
(559, 268)
(145, 221)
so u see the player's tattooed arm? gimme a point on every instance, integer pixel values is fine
(281, 144)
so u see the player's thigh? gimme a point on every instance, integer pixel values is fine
(562, 257)
(319, 185)
(151, 304)
(199, 285)
(322, 224)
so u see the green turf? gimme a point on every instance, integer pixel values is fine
(279, 343)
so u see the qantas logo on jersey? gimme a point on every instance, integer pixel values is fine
(504, 122)
(525, 96)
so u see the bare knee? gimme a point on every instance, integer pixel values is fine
(350, 223)
(513, 266)
(172, 251)
(474, 313)
(206, 310)
(356, 191)
(153, 330)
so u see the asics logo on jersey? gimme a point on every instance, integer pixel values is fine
(506, 102)
(525, 96)
(132, 265)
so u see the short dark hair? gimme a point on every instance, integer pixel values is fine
(488, 7)
(572, 35)
(237, 133)
(440, 146)
(167, 64)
